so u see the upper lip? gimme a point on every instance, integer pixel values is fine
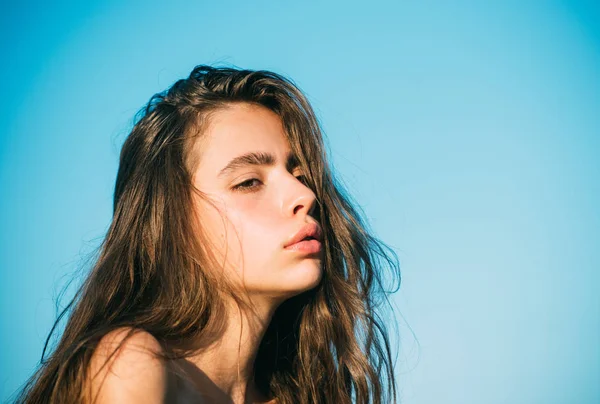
(308, 230)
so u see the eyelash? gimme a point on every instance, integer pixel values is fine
(241, 187)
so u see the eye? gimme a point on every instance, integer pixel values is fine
(246, 185)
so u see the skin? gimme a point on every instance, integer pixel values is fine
(248, 228)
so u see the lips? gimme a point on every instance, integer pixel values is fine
(311, 246)
(309, 232)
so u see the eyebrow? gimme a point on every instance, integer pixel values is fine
(257, 159)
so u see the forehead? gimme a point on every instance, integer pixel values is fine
(238, 129)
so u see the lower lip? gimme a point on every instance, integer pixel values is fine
(306, 246)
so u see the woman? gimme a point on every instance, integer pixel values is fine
(235, 268)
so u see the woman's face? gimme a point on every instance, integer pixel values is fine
(258, 206)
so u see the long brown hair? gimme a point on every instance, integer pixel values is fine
(327, 345)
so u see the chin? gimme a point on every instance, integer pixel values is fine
(288, 281)
(302, 277)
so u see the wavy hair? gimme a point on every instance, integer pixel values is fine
(326, 345)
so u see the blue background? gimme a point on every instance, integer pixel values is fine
(469, 134)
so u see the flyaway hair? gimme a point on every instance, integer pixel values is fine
(327, 345)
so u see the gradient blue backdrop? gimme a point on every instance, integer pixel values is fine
(469, 133)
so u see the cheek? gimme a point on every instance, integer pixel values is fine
(245, 234)
(258, 230)
(216, 226)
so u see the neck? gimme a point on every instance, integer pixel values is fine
(228, 364)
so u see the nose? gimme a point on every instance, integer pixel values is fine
(301, 200)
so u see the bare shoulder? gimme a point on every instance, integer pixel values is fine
(127, 369)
